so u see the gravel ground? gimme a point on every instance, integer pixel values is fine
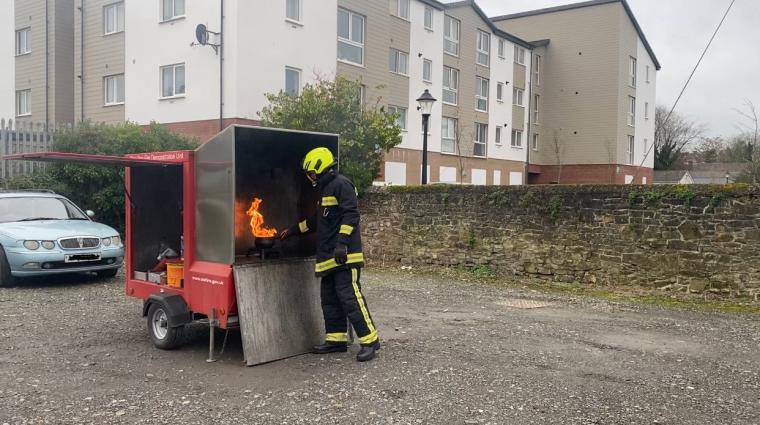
(76, 351)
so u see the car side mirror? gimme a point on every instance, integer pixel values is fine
(90, 213)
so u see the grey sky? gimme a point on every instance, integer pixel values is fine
(678, 30)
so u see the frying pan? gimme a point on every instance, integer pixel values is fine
(264, 243)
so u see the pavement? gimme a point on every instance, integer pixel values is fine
(76, 351)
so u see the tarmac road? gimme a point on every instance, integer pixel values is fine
(76, 351)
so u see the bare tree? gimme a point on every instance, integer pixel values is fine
(462, 133)
(559, 151)
(750, 136)
(672, 137)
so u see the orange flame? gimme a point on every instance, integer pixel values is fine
(257, 221)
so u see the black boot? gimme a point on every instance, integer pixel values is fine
(330, 347)
(367, 352)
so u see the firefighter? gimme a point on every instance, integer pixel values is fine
(339, 257)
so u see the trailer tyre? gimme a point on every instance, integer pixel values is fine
(163, 336)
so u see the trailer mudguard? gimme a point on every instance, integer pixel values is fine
(176, 309)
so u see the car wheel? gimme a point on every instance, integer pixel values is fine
(107, 273)
(162, 335)
(6, 278)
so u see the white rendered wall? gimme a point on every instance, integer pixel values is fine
(645, 92)
(7, 52)
(430, 44)
(395, 173)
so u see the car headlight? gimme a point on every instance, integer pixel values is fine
(116, 240)
(48, 244)
(106, 241)
(31, 245)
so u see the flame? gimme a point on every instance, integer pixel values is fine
(257, 221)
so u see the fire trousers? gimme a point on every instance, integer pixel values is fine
(342, 297)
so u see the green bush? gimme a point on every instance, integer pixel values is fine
(100, 188)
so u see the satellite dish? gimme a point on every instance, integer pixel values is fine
(201, 34)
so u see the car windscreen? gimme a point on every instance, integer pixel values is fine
(38, 208)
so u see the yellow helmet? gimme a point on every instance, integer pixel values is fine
(318, 160)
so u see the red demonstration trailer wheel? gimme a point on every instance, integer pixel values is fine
(163, 336)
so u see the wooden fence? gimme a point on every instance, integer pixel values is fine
(23, 137)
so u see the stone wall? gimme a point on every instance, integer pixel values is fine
(696, 238)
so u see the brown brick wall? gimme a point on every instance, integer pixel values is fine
(205, 129)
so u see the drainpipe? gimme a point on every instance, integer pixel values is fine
(81, 61)
(221, 67)
(47, 64)
(529, 140)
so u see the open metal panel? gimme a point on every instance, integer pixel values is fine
(88, 159)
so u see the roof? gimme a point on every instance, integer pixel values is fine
(433, 3)
(668, 176)
(588, 4)
(491, 26)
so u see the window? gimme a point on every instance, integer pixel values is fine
(113, 87)
(632, 81)
(401, 120)
(451, 35)
(535, 142)
(293, 10)
(647, 74)
(428, 18)
(402, 9)
(398, 62)
(292, 81)
(448, 135)
(113, 18)
(519, 55)
(484, 48)
(481, 94)
(23, 103)
(450, 85)
(536, 99)
(517, 96)
(498, 135)
(172, 9)
(500, 92)
(537, 70)
(481, 139)
(350, 37)
(630, 152)
(501, 48)
(646, 110)
(24, 41)
(631, 111)
(517, 136)
(427, 70)
(173, 80)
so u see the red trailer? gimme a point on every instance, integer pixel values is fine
(200, 205)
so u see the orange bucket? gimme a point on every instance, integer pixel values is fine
(174, 274)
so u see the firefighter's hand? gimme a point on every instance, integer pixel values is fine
(287, 233)
(341, 254)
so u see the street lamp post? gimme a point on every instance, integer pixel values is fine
(426, 102)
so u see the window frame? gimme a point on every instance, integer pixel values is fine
(453, 138)
(28, 98)
(298, 20)
(648, 70)
(398, 55)
(403, 114)
(518, 94)
(537, 70)
(535, 141)
(516, 142)
(536, 99)
(632, 71)
(298, 73)
(631, 111)
(105, 90)
(27, 41)
(631, 150)
(519, 55)
(646, 111)
(482, 84)
(119, 6)
(500, 92)
(502, 49)
(454, 42)
(497, 136)
(427, 64)
(429, 12)
(174, 15)
(350, 42)
(408, 9)
(451, 72)
(483, 47)
(481, 130)
(174, 94)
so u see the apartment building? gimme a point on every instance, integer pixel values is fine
(43, 61)
(593, 106)
(7, 50)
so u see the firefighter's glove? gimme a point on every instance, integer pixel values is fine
(341, 254)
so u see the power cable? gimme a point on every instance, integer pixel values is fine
(683, 90)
